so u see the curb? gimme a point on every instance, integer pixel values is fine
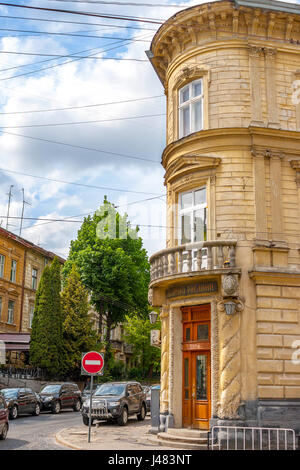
(60, 440)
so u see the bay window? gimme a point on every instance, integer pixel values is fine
(191, 108)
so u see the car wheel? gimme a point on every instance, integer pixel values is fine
(123, 419)
(56, 408)
(4, 432)
(14, 412)
(142, 414)
(77, 406)
(37, 410)
(85, 420)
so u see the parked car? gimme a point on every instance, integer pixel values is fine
(4, 426)
(86, 391)
(116, 401)
(21, 401)
(148, 396)
(55, 397)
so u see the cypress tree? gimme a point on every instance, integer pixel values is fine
(78, 333)
(46, 334)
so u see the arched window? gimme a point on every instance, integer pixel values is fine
(191, 108)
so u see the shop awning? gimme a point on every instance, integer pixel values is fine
(15, 341)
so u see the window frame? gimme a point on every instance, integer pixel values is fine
(10, 310)
(2, 265)
(191, 210)
(13, 272)
(34, 279)
(189, 104)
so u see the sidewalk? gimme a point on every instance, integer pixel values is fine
(108, 436)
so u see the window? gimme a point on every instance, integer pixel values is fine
(191, 108)
(11, 309)
(193, 216)
(13, 271)
(34, 279)
(2, 262)
(0, 308)
(31, 312)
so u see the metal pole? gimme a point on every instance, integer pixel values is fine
(90, 410)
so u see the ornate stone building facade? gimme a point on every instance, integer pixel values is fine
(228, 283)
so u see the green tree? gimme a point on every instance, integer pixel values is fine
(78, 333)
(113, 266)
(137, 333)
(46, 335)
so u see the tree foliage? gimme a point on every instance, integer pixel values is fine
(78, 333)
(113, 266)
(46, 344)
(137, 332)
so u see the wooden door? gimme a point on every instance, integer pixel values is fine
(196, 367)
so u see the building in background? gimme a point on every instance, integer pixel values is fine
(228, 283)
(21, 267)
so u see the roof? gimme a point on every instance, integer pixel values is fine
(27, 244)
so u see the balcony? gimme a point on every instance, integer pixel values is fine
(193, 259)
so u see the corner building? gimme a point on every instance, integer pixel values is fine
(228, 283)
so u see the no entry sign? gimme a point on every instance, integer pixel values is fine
(92, 363)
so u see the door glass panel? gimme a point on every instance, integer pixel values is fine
(200, 196)
(186, 229)
(197, 88)
(202, 332)
(197, 116)
(186, 378)
(201, 377)
(188, 334)
(186, 200)
(184, 95)
(199, 225)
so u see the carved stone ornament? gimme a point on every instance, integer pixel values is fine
(237, 304)
(230, 285)
(150, 296)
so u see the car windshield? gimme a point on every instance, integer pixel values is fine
(51, 389)
(111, 389)
(10, 393)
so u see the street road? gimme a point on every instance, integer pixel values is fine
(38, 432)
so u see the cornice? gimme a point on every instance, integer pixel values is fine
(199, 25)
(190, 163)
(271, 142)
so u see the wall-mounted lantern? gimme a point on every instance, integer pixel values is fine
(153, 317)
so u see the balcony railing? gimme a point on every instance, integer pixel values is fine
(201, 256)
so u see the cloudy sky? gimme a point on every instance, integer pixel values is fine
(42, 96)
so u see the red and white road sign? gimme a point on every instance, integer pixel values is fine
(92, 362)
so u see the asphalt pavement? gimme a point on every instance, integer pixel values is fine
(38, 432)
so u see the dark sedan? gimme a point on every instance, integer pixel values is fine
(21, 401)
(3, 419)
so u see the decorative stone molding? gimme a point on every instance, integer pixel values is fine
(189, 164)
(295, 164)
(230, 285)
(150, 296)
(230, 361)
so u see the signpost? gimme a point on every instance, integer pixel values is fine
(92, 363)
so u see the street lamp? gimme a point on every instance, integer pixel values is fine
(153, 317)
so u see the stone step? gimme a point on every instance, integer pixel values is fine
(177, 445)
(188, 432)
(166, 436)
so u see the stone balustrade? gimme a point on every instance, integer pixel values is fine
(201, 256)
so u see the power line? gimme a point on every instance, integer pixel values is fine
(81, 147)
(77, 23)
(81, 107)
(87, 13)
(102, 2)
(64, 55)
(68, 34)
(73, 183)
(123, 42)
(83, 122)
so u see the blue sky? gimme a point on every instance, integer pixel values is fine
(76, 84)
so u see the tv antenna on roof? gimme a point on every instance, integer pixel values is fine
(8, 206)
(23, 208)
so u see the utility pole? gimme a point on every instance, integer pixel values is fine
(23, 207)
(9, 201)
